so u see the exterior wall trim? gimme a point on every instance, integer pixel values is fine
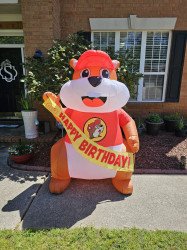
(133, 22)
(8, 1)
(12, 45)
(10, 17)
(108, 24)
(11, 32)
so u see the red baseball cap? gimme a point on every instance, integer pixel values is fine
(92, 58)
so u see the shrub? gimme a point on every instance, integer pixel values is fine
(49, 73)
(180, 124)
(154, 118)
(172, 117)
(139, 122)
(20, 149)
(26, 102)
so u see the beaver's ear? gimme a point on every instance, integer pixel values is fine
(73, 63)
(116, 64)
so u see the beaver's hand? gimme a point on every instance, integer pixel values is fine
(133, 143)
(54, 97)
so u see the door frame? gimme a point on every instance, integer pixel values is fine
(15, 32)
(21, 46)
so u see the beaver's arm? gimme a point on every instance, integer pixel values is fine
(55, 98)
(131, 136)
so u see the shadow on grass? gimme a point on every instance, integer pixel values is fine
(64, 210)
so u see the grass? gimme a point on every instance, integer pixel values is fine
(90, 238)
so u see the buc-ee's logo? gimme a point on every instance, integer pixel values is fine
(95, 129)
(8, 71)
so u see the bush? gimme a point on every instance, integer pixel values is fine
(21, 149)
(154, 118)
(51, 72)
(180, 124)
(172, 117)
(26, 102)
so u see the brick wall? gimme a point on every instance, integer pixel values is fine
(56, 19)
(75, 14)
(40, 24)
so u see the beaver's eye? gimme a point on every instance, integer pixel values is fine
(105, 73)
(85, 73)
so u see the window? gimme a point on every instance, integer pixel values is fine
(104, 40)
(155, 65)
(150, 51)
(131, 41)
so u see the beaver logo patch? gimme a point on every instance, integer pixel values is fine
(95, 129)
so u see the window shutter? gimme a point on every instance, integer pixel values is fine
(86, 35)
(177, 54)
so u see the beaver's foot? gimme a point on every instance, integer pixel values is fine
(57, 186)
(123, 186)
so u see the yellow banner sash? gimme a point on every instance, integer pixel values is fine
(99, 155)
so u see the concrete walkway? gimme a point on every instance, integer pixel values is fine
(17, 190)
(158, 202)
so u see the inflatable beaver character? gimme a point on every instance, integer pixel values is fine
(93, 99)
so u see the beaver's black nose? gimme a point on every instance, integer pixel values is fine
(94, 80)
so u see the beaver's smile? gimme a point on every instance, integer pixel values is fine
(94, 101)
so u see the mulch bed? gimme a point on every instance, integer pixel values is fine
(41, 156)
(156, 152)
(161, 152)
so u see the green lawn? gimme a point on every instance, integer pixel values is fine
(90, 238)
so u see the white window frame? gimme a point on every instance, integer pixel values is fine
(10, 17)
(8, 1)
(11, 32)
(142, 60)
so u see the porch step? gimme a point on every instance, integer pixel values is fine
(6, 119)
(14, 121)
(10, 115)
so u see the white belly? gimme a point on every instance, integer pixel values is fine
(81, 168)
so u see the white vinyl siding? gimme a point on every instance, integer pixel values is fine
(151, 51)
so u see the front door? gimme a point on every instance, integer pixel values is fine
(11, 70)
